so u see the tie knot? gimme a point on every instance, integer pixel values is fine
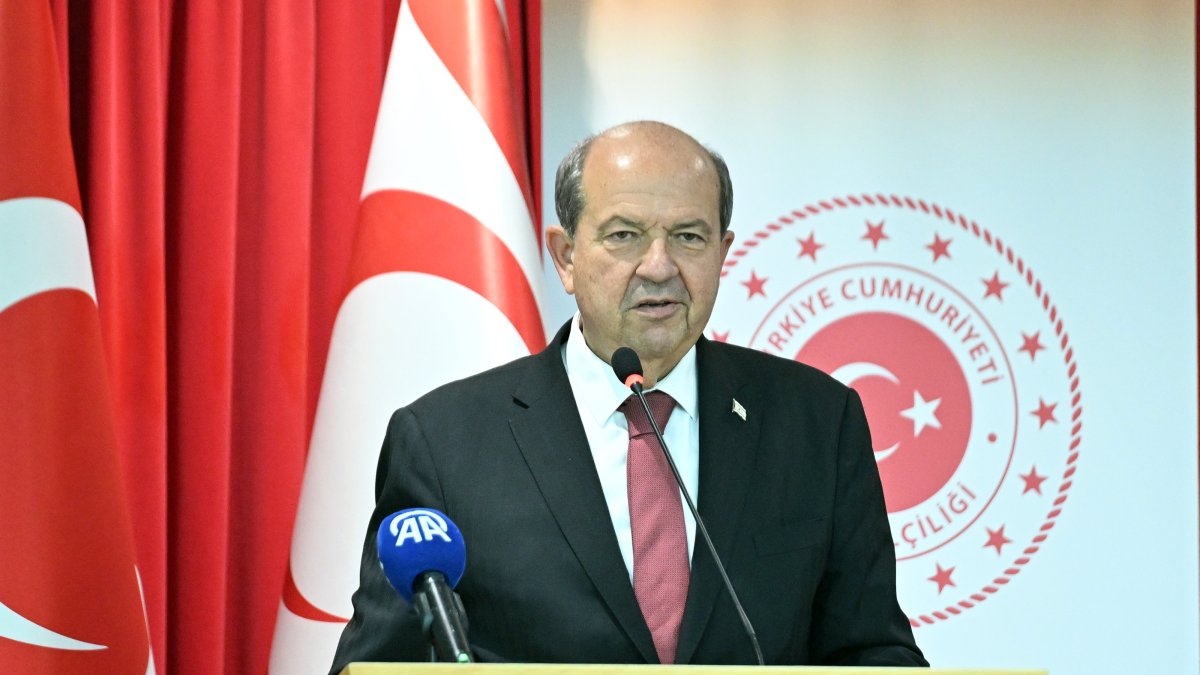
(661, 404)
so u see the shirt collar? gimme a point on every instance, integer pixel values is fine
(602, 393)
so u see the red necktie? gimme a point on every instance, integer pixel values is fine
(660, 556)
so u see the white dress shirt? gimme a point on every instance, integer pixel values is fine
(598, 394)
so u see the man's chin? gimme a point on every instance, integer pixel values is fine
(654, 345)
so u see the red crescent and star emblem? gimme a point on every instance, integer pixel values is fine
(963, 363)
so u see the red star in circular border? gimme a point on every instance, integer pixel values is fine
(1031, 344)
(995, 287)
(1045, 413)
(809, 246)
(996, 539)
(1033, 481)
(755, 285)
(940, 247)
(942, 578)
(875, 234)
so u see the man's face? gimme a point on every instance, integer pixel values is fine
(646, 257)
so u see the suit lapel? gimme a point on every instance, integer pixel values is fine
(728, 447)
(550, 435)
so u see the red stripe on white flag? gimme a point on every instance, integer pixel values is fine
(69, 593)
(480, 65)
(444, 282)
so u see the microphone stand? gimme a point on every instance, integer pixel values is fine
(443, 620)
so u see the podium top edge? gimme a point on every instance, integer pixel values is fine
(601, 669)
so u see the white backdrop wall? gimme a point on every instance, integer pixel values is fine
(1060, 133)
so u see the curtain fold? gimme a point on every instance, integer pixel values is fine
(220, 150)
(203, 102)
(270, 321)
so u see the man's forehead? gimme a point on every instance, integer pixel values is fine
(648, 164)
(648, 144)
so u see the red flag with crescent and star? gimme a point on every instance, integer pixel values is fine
(69, 591)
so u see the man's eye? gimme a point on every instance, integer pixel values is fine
(621, 235)
(691, 238)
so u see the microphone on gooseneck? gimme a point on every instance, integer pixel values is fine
(423, 556)
(628, 369)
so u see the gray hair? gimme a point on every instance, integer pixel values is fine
(568, 186)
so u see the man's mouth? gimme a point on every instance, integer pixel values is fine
(657, 309)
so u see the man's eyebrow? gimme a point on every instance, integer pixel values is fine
(700, 223)
(617, 221)
(620, 220)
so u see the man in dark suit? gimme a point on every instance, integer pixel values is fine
(578, 547)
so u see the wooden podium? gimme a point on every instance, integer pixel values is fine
(605, 669)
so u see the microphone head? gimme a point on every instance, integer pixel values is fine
(627, 366)
(415, 541)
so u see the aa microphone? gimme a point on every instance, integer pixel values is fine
(423, 556)
(628, 369)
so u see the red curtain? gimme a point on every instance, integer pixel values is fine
(220, 149)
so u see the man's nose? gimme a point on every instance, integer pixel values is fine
(657, 264)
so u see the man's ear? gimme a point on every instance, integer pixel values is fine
(561, 247)
(726, 242)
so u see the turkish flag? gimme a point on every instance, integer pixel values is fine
(69, 595)
(444, 282)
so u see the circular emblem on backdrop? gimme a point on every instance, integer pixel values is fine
(964, 366)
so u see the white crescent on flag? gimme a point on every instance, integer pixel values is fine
(43, 245)
(20, 629)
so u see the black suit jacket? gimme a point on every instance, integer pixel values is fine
(791, 496)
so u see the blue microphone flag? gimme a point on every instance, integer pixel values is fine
(415, 541)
